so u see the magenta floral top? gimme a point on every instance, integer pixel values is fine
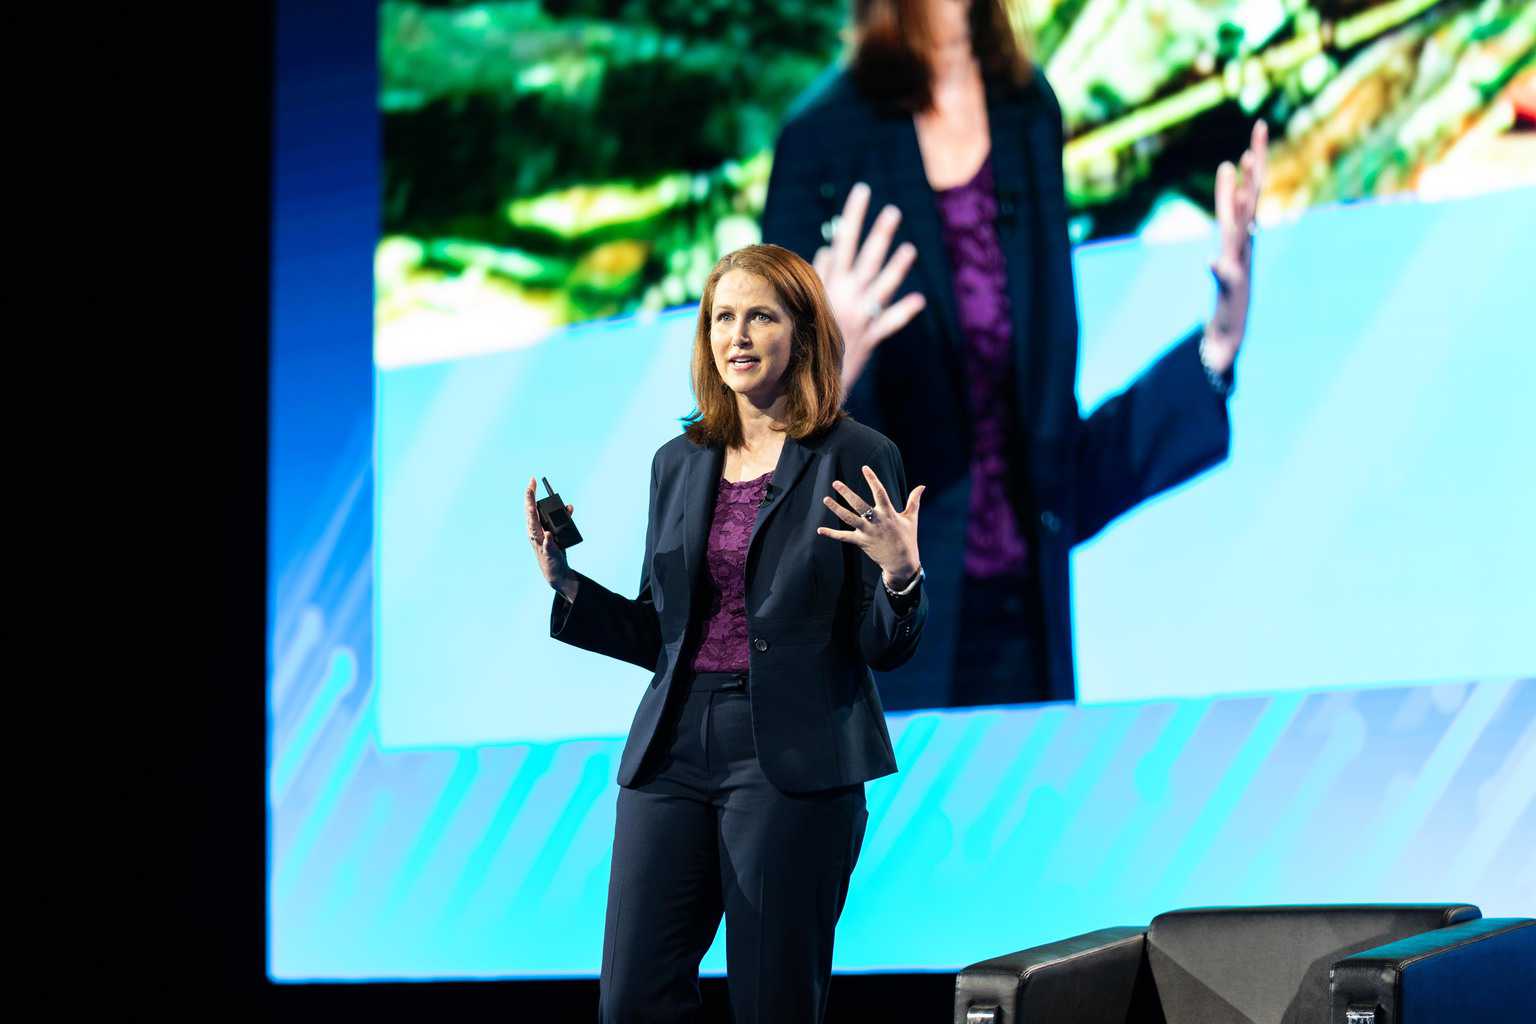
(994, 544)
(723, 637)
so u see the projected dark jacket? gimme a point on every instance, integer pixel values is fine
(819, 618)
(1071, 474)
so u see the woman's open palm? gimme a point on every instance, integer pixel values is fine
(860, 281)
(1237, 203)
(886, 535)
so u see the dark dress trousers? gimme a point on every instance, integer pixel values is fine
(743, 794)
(1070, 475)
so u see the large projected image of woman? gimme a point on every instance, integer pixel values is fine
(941, 124)
(777, 571)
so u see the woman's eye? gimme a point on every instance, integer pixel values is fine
(764, 317)
(722, 316)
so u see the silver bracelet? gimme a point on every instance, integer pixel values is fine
(904, 591)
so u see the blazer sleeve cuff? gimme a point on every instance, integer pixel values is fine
(1197, 406)
(569, 620)
(898, 624)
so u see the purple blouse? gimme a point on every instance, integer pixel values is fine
(723, 638)
(994, 544)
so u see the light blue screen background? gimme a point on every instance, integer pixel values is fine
(1306, 676)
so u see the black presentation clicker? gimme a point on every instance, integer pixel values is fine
(555, 519)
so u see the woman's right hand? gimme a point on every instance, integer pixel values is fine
(860, 281)
(550, 556)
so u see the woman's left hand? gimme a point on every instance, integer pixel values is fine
(887, 536)
(1237, 201)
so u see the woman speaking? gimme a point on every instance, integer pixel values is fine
(777, 572)
(941, 124)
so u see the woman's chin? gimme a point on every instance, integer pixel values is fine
(754, 389)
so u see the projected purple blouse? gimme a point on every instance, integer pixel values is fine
(723, 638)
(994, 544)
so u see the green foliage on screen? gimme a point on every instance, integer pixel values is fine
(553, 162)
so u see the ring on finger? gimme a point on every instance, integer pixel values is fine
(873, 308)
(868, 514)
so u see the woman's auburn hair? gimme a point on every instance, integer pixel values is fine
(891, 40)
(813, 380)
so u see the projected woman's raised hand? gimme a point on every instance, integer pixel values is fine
(1237, 202)
(860, 281)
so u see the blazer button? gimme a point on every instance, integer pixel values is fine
(1051, 521)
(760, 645)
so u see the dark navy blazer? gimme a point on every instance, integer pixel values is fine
(818, 616)
(1072, 474)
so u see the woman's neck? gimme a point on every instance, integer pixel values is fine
(953, 64)
(953, 134)
(761, 426)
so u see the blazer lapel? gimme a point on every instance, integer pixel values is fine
(1016, 184)
(920, 222)
(1052, 325)
(794, 457)
(699, 488)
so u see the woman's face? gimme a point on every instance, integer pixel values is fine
(750, 335)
